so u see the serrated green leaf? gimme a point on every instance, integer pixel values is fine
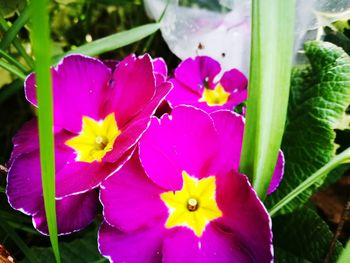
(320, 95)
(301, 237)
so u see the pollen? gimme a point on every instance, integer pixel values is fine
(215, 97)
(95, 139)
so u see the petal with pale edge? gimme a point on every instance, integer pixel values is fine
(245, 216)
(130, 199)
(73, 213)
(143, 245)
(25, 194)
(186, 140)
(132, 87)
(277, 174)
(80, 85)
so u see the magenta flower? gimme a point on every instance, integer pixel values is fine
(197, 82)
(99, 115)
(186, 202)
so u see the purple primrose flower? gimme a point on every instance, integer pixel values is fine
(100, 112)
(198, 82)
(181, 199)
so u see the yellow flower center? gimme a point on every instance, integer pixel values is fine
(194, 206)
(95, 139)
(215, 97)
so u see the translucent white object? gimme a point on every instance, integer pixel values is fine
(221, 28)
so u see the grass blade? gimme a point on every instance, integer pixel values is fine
(19, 242)
(4, 27)
(42, 50)
(270, 70)
(12, 69)
(12, 32)
(12, 61)
(114, 41)
(343, 157)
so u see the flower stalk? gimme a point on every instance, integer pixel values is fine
(270, 72)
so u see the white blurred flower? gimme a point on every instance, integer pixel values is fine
(221, 28)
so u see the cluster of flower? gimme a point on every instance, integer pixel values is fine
(169, 185)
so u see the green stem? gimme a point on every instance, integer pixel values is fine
(42, 49)
(339, 159)
(12, 69)
(270, 71)
(13, 61)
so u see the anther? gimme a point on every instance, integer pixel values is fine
(192, 204)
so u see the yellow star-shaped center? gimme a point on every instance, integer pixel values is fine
(194, 206)
(95, 139)
(215, 97)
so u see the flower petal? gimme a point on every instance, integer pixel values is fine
(129, 136)
(194, 72)
(160, 70)
(278, 173)
(130, 199)
(181, 245)
(160, 66)
(80, 84)
(26, 140)
(73, 213)
(133, 86)
(24, 177)
(230, 127)
(24, 183)
(234, 81)
(182, 94)
(245, 216)
(79, 177)
(186, 140)
(143, 245)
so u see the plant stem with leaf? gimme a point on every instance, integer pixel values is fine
(270, 71)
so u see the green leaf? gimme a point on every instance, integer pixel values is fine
(345, 256)
(320, 95)
(12, 69)
(16, 42)
(314, 179)
(114, 41)
(42, 47)
(269, 82)
(15, 28)
(82, 249)
(302, 236)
